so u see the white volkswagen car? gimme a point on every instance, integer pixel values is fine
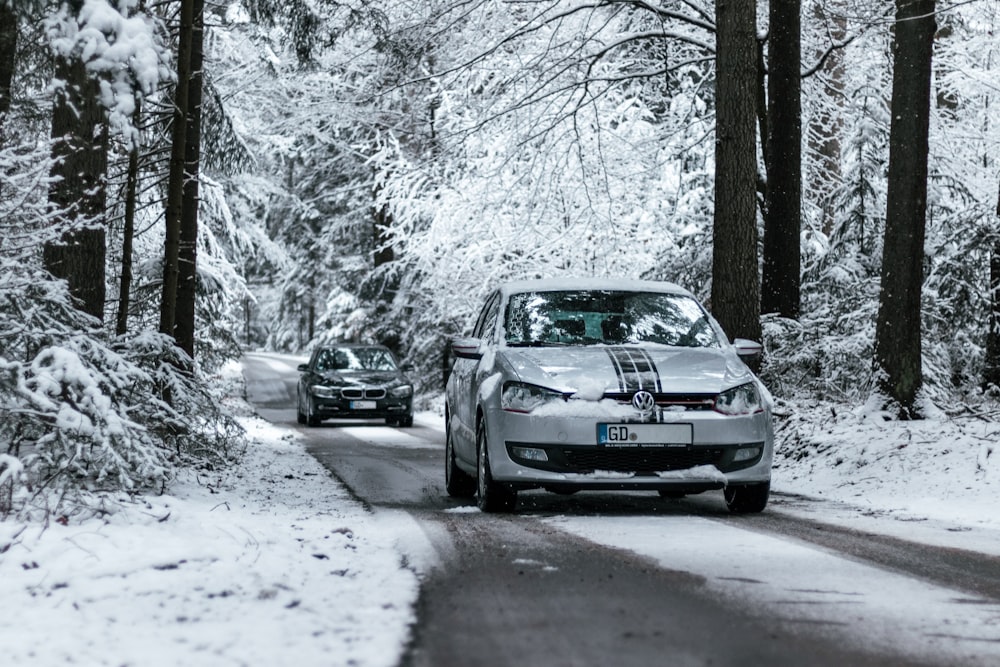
(604, 384)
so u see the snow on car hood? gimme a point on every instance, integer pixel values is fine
(592, 370)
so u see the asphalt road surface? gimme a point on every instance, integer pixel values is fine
(517, 590)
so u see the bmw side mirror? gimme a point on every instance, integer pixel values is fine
(303, 368)
(747, 349)
(466, 348)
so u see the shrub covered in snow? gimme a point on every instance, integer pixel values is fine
(81, 413)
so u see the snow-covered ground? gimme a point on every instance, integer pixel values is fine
(935, 480)
(272, 562)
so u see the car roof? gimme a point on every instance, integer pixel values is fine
(612, 284)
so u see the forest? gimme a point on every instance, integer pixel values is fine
(182, 180)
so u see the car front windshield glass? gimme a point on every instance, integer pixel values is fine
(355, 359)
(610, 317)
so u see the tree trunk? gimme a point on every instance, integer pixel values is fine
(128, 233)
(184, 327)
(175, 185)
(991, 373)
(8, 55)
(735, 278)
(78, 195)
(382, 223)
(897, 331)
(780, 284)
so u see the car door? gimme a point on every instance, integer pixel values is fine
(465, 389)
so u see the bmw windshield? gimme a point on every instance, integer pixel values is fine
(592, 317)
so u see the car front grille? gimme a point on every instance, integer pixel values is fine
(640, 461)
(361, 392)
(686, 401)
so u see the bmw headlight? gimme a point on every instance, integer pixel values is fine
(402, 391)
(521, 397)
(742, 400)
(322, 391)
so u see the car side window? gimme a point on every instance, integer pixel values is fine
(488, 316)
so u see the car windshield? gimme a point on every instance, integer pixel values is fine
(355, 359)
(588, 317)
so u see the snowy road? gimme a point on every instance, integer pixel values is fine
(625, 579)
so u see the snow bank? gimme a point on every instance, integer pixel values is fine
(269, 563)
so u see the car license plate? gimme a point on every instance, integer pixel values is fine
(363, 405)
(644, 435)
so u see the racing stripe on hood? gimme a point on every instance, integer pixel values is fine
(635, 369)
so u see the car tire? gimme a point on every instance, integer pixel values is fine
(311, 419)
(491, 496)
(747, 498)
(300, 416)
(406, 422)
(457, 482)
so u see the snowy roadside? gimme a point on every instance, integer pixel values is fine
(935, 480)
(272, 563)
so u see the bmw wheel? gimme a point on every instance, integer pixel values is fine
(747, 498)
(299, 415)
(311, 418)
(457, 482)
(492, 496)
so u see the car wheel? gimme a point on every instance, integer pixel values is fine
(747, 498)
(491, 496)
(457, 482)
(406, 421)
(299, 415)
(311, 419)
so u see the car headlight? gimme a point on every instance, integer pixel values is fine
(402, 391)
(741, 400)
(521, 397)
(322, 391)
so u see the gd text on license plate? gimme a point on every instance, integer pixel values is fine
(644, 435)
(363, 405)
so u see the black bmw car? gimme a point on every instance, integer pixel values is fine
(354, 382)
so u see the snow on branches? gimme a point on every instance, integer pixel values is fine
(80, 415)
(122, 48)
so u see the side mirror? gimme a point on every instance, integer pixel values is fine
(466, 348)
(302, 368)
(406, 368)
(747, 348)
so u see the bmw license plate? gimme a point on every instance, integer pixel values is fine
(363, 405)
(644, 435)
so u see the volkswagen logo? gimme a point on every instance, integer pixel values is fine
(644, 402)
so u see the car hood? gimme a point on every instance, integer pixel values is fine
(362, 378)
(590, 371)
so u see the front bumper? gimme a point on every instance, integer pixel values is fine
(724, 450)
(333, 408)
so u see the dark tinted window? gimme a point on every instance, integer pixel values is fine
(355, 359)
(610, 317)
